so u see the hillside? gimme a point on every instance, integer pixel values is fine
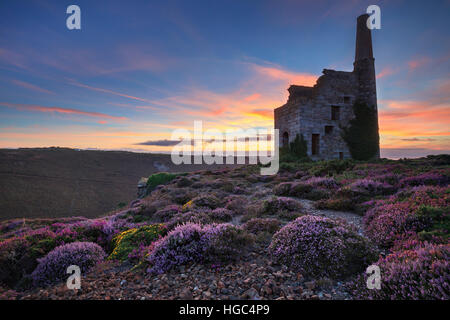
(309, 232)
(62, 182)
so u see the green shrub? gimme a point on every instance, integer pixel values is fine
(159, 178)
(361, 135)
(438, 220)
(134, 239)
(298, 147)
(331, 167)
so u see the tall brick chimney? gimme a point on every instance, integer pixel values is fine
(364, 65)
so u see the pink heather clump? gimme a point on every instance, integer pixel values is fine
(395, 218)
(326, 182)
(258, 225)
(427, 178)
(277, 204)
(193, 242)
(421, 273)
(321, 247)
(53, 267)
(167, 213)
(222, 215)
(370, 187)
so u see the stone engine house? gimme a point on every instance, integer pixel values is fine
(320, 112)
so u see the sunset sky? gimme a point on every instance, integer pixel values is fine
(137, 70)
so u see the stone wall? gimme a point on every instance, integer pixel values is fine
(308, 110)
(309, 115)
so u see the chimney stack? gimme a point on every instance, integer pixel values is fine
(363, 39)
(364, 66)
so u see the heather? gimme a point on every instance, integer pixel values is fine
(215, 243)
(321, 247)
(421, 272)
(318, 221)
(421, 210)
(53, 267)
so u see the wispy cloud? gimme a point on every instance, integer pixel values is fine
(108, 91)
(31, 86)
(385, 72)
(418, 63)
(38, 108)
(278, 73)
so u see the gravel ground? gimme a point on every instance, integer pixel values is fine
(255, 277)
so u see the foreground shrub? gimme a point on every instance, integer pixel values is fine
(338, 204)
(321, 247)
(325, 182)
(420, 273)
(331, 167)
(282, 189)
(408, 213)
(427, 178)
(165, 214)
(221, 215)
(226, 242)
(368, 187)
(18, 255)
(133, 241)
(258, 225)
(206, 201)
(217, 243)
(278, 204)
(197, 216)
(236, 203)
(159, 178)
(53, 267)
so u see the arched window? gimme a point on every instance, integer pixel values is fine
(285, 139)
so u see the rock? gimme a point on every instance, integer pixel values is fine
(266, 290)
(250, 294)
(310, 285)
(186, 294)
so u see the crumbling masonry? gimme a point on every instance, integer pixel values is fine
(319, 112)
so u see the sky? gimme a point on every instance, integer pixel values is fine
(138, 70)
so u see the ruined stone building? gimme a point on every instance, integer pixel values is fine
(320, 112)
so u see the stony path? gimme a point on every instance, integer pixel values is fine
(350, 217)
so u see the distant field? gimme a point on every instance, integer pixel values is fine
(60, 182)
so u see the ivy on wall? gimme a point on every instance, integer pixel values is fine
(361, 135)
(298, 147)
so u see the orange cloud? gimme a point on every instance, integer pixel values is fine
(305, 79)
(417, 63)
(30, 107)
(414, 124)
(264, 113)
(387, 71)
